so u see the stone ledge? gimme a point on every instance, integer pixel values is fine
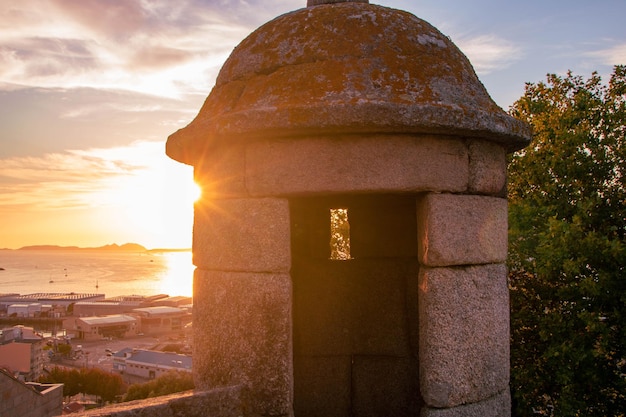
(222, 402)
(497, 406)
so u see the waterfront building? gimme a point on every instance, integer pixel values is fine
(99, 327)
(162, 319)
(53, 299)
(28, 310)
(102, 308)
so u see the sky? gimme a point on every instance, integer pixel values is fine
(91, 89)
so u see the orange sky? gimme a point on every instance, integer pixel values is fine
(87, 198)
(91, 89)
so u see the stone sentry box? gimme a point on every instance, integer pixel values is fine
(349, 106)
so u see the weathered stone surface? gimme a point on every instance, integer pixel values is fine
(318, 2)
(381, 71)
(385, 386)
(242, 235)
(461, 229)
(487, 168)
(222, 174)
(498, 406)
(383, 226)
(242, 336)
(356, 164)
(464, 334)
(322, 386)
(23, 399)
(355, 307)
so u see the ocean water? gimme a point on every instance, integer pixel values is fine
(114, 273)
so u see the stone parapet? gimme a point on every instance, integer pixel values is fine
(242, 336)
(29, 399)
(462, 230)
(464, 334)
(223, 402)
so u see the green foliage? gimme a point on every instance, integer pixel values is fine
(168, 383)
(568, 253)
(64, 349)
(172, 347)
(92, 381)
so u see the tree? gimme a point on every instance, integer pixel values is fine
(87, 381)
(64, 349)
(168, 383)
(567, 224)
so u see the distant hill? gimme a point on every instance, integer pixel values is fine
(127, 247)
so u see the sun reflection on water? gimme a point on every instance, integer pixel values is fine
(178, 277)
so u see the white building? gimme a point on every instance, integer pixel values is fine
(24, 310)
(98, 327)
(149, 364)
(162, 319)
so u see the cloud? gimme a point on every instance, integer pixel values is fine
(34, 58)
(158, 47)
(613, 55)
(489, 53)
(112, 18)
(57, 181)
(78, 179)
(134, 193)
(38, 121)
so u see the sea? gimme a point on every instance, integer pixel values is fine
(112, 273)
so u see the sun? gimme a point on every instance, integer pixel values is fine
(152, 202)
(195, 192)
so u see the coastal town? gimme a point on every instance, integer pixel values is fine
(137, 337)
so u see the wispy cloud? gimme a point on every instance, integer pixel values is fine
(489, 53)
(612, 55)
(157, 47)
(79, 179)
(134, 193)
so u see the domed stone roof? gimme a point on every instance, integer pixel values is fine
(345, 68)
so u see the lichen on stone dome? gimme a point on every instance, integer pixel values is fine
(345, 68)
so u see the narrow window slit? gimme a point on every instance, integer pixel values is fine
(339, 234)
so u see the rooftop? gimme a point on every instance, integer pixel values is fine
(112, 319)
(158, 310)
(52, 296)
(173, 360)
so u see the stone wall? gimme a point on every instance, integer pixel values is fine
(25, 400)
(224, 402)
(417, 320)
